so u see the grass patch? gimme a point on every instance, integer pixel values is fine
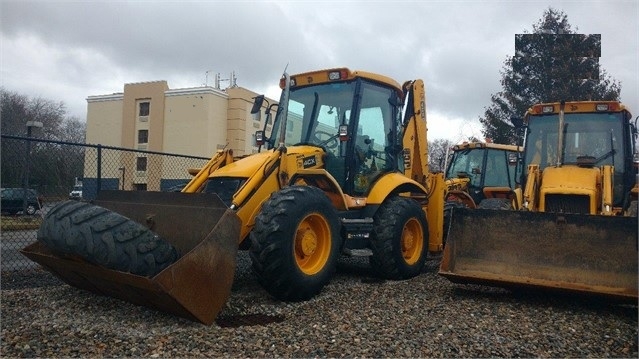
(18, 223)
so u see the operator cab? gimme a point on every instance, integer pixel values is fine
(355, 120)
(593, 134)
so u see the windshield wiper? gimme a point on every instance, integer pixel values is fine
(610, 153)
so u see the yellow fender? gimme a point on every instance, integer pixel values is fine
(462, 197)
(393, 182)
(431, 199)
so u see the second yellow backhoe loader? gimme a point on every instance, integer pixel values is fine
(481, 175)
(344, 170)
(575, 224)
(481, 171)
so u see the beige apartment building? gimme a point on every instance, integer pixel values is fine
(150, 116)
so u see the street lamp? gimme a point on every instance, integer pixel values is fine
(25, 185)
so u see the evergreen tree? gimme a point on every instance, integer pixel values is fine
(551, 64)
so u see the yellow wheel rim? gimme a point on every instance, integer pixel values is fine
(312, 245)
(412, 241)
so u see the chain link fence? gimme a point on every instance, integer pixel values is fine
(55, 168)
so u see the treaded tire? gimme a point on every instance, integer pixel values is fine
(496, 204)
(396, 221)
(105, 238)
(289, 218)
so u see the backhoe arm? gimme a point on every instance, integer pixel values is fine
(532, 187)
(415, 139)
(220, 159)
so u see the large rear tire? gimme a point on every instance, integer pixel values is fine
(105, 238)
(400, 239)
(295, 243)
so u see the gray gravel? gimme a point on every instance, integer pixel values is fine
(354, 316)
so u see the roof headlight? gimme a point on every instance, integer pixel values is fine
(548, 109)
(602, 107)
(292, 82)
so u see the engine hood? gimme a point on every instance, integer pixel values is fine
(570, 179)
(246, 166)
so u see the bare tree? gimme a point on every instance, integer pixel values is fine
(438, 151)
(57, 164)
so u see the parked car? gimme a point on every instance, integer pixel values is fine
(76, 193)
(13, 200)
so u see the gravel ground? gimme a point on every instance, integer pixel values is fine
(354, 316)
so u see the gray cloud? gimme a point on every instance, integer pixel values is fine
(67, 51)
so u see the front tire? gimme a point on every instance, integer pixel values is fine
(295, 243)
(400, 240)
(496, 204)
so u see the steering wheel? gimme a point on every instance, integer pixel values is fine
(331, 142)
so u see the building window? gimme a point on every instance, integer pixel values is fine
(144, 108)
(139, 186)
(141, 164)
(143, 136)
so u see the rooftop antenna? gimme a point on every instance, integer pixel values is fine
(206, 78)
(232, 80)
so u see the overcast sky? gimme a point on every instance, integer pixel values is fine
(69, 50)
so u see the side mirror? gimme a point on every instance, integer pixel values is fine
(257, 104)
(343, 133)
(518, 122)
(259, 138)
(512, 159)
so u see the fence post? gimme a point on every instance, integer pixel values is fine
(99, 174)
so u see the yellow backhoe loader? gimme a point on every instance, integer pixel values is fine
(575, 224)
(344, 170)
(481, 175)
(478, 171)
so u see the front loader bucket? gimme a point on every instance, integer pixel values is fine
(199, 226)
(569, 252)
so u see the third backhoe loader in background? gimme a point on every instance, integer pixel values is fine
(481, 171)
(575, 227)
(481, 175)
(344, 170)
